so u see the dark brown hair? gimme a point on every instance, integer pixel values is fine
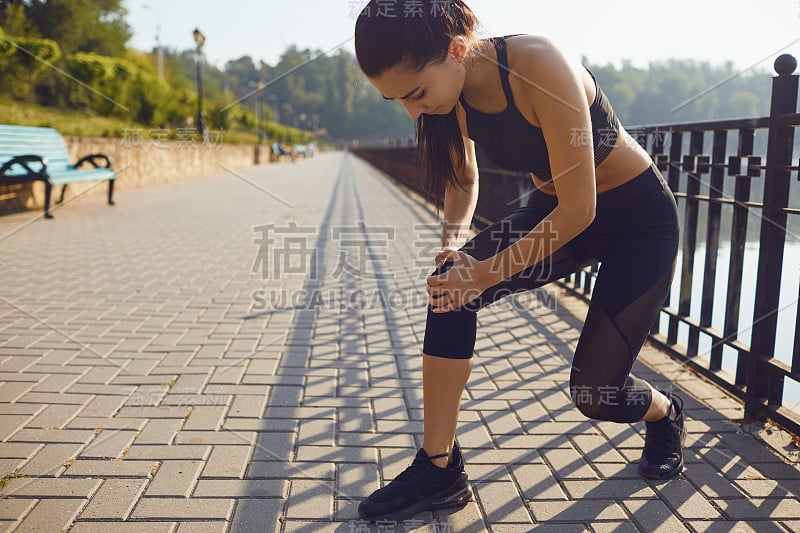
(413, 35)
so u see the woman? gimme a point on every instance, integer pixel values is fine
(603, 199)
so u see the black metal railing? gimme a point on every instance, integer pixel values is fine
(724, 186)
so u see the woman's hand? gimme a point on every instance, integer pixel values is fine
(462, 283)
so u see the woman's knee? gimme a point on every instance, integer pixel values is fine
(593, 400)
(624, 402)
(450, 335)
(587, 400)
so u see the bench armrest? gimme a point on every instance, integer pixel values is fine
(91, 159)
(23, 161)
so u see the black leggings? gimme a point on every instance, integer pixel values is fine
(635, 237)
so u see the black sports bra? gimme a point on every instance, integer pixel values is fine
(513, 143)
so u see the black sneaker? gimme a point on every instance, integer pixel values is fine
(422, 486)
(662, 456)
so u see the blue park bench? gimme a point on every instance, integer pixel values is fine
(279, 151)
(40, 154)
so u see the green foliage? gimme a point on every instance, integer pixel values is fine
(745, 104)
(324, 92)
(91, 68)
(35, 53)
(23, 59)
(683, 91)
(67, 121)
(82, 25)
(14, 21)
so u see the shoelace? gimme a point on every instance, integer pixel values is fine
(413, 472)
(662, 436)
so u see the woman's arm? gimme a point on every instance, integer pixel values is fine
(555, 94)
(558, 228)
(554, 91)
(459, 206)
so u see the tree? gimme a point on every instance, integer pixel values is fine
(14, 21)
(96, 26)
(744, 104)
(35, 55)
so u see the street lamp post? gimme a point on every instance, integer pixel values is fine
(259, 105)
(288, 112)
(276, 106)
(200, 39)
(261, 132)
(159, 48)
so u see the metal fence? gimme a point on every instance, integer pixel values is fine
(726, 187)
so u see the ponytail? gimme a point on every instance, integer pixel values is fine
(414, 37)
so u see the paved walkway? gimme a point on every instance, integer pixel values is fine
(213, 356)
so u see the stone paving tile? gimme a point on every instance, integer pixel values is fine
(759, 508)
(13, 508)
(159, 431)
(114, 500)
(576, 510)
(110, 444)
(751, 526)
(235, 488)
(175, 478)
(50, 459)
(653, 515)
(51, 515)
(183, 508)
(256, 514)
(186, 451)
(309, 499)
(610, 526)
(124, 527)
(51, 488)
(197, 410)
(501, 502)
(109, 468)
(211, 526)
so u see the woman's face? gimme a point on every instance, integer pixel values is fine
(433, 91)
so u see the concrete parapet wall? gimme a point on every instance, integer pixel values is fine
(139, 163)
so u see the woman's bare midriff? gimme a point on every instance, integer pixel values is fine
(626, 161)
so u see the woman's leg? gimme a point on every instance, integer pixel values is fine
(638, 259)
(450, 337)
(447, 362)
(443, 381)
(600, 382)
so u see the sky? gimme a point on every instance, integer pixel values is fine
(747, 33)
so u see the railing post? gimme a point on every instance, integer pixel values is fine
(762, 384)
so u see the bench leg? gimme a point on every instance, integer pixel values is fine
(63, 190)
(110, 192)
(48, 190)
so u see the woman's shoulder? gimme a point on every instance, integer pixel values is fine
(526, 46)
(537, 58)
(541, 71)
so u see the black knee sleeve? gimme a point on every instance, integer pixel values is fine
(450, 335)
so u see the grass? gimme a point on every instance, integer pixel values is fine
(8, 477)
(84, 124)
(66, 121)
